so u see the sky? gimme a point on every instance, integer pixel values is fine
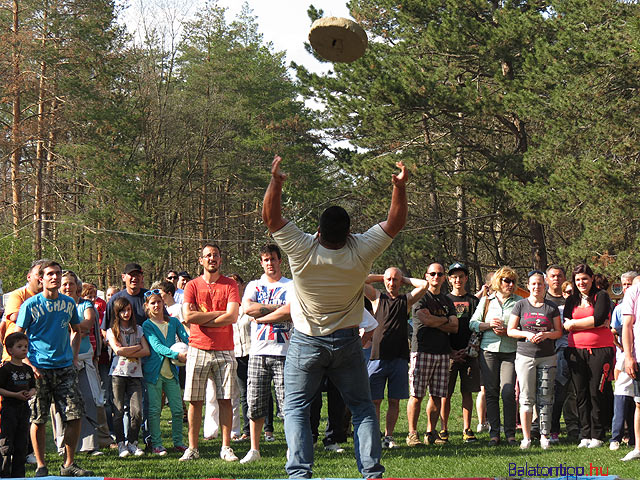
(283, 22)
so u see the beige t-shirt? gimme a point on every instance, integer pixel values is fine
(328, 284)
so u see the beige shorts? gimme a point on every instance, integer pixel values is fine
(220, 365)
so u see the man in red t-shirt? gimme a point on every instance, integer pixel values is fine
(210, 308)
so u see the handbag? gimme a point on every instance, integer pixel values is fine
(473, 347)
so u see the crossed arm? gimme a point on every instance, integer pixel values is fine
(446, 324)
(218, 318)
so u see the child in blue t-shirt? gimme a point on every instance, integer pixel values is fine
(17, 386)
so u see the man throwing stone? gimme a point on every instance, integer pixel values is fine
(329, 270)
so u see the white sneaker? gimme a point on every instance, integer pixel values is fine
(123, 451)
(584, 443)
(134, 449)
(31, 459)
(614, 445)
(525, 444)
(334, 447)
(190, 454)
(595, 443)
(632, 455)
(482, 427)
(389, 442)
(544, 442)
(226, 454)
(251, 456)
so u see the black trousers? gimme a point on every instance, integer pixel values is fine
(243, 366)
(337, 420)
(591, 369)
(14, 437)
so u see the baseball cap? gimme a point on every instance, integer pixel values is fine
(458, 266)
(132, 267)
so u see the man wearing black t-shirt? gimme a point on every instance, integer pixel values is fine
(564, 403)
(389, 348)
(434, 319)
(461, 364)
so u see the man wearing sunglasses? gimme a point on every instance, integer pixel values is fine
(434, 319)
(178, 295)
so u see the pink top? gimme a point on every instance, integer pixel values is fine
(596, 337)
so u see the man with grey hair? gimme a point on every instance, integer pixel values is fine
(623, 408)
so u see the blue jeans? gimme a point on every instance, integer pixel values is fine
(623, 410)
(339, 357)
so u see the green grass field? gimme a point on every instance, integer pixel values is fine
(455, 459)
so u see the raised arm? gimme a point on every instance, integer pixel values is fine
(397, 216)
(420, 288)
(272, 204)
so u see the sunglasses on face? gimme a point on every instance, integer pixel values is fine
(172, 277)
(508, 281)
(436, 274)
(148, 293)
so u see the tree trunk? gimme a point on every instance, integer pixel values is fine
(461, 212)
(538, 245)
(16, 134)
(37, 196)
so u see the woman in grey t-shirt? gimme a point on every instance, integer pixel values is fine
(535, 322)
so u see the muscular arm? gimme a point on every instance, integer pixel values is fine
(272, 203)
(193, 316)
(281, 314)
(257, 309)
(421, 287)
(451, 326)
(229, 317)
(397, 216)
(425, 317)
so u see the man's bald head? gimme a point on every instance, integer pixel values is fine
(393, 281)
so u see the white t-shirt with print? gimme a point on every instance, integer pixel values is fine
(269, 338)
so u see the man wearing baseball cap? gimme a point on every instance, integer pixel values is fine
(461, 364)
(133, 279)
